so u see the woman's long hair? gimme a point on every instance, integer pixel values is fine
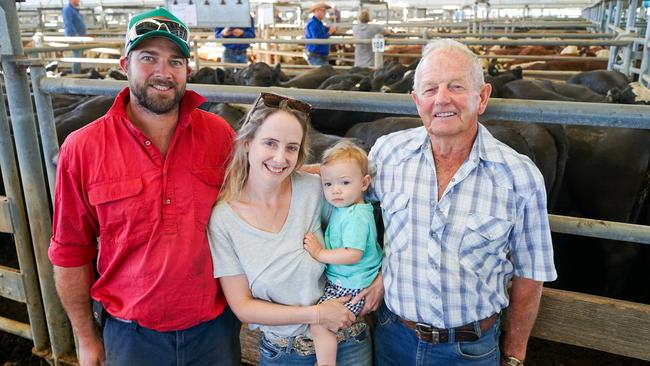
(238, 169)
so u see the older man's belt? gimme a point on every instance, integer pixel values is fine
(304, 345)
(464, 333)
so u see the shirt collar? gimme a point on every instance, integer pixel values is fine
(191, 101)
(487, 146)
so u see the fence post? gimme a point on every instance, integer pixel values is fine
(33, 181)
(629, 30)
(378, 48)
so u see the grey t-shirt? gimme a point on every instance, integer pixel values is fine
(363, 55)
(277, 266)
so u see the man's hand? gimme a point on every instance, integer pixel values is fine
(331, 29)
(374, 294)
(237, 32)
(312, 245)
(91, 352)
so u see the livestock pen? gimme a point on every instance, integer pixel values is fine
(605, 324)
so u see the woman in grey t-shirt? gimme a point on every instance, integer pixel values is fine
(256, 233)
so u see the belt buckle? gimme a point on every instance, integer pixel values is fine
(423, 329)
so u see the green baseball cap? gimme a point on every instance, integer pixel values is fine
(157, 23)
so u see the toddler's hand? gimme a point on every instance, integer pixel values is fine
(312, 245)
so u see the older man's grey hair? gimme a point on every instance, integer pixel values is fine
(476, 68)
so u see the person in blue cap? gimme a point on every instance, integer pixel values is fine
(141, 181)
(235, 52)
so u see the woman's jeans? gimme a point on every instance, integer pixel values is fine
(395, 344)
(355, 351)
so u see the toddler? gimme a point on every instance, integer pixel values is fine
(351, 252)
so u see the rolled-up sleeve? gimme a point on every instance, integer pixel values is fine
(75, 227)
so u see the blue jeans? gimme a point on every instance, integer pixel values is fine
(76, 67)
(235, 56)
(356, 351)
(395, 344)
(215, 342)
(316, 58)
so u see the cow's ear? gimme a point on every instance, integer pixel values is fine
(220, 76)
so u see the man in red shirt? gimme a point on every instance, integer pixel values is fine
(135, 190)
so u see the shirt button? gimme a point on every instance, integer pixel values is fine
(168, 201)
(147, 142)
(453, 180)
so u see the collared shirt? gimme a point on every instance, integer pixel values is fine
(448, 262)
(73, 23)
(317, 30)
(149, 212)
(248, 33)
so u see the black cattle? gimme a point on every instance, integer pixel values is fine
(390, 73)
(116, 74)
(208, 75)
(606, 178)
(548, 90)
(606, 82)
(84, 113)
(342, 82)
(405, 85)
(310, 79)
(600, 81)
(260, 74)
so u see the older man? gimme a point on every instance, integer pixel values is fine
(317, 54)
(141, 181)
(465, 215)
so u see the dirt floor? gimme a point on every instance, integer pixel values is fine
(16, 351)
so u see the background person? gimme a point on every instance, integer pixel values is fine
(141, 180)
(317, 54)
(363, 55)
(256, 236)
(235, 52)
(73, 26)
(472, 220)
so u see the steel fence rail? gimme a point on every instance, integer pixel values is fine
(605, 115)
(600, 229)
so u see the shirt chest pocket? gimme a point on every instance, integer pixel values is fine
(120, 209)
(206, 184)
(396, 220)
(485, 242)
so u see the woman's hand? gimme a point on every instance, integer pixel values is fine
(374, 294)
(333, 315)
(312, 245)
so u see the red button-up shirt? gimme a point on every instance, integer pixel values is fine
(149, 212)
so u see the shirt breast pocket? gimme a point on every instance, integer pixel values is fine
(398, 229)
(485, 243)
(120, 210)
(206, 184)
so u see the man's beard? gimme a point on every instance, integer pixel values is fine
(158, 105)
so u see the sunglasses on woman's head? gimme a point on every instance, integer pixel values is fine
(275, 101)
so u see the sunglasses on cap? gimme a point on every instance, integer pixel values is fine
(147, 25)
(276, 101)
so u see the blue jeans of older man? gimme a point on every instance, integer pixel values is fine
(395, 344)
(235, 56)
(211, 343)
(316, 59)
(355, 351)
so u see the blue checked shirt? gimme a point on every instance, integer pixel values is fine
(448, 263)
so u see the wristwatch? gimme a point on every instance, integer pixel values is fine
(513, 361)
